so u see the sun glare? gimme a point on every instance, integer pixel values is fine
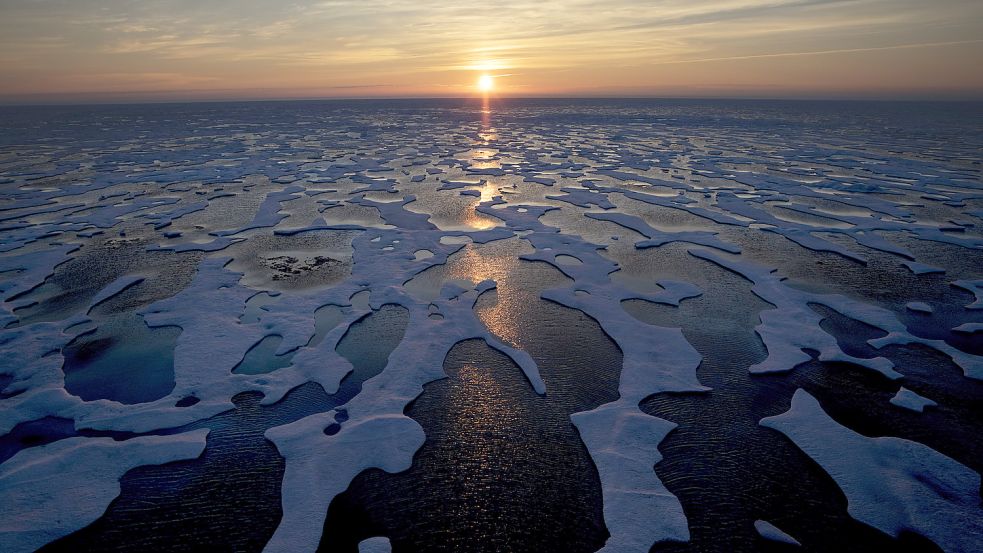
(485, 83)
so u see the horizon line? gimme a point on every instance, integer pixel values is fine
(914, 98)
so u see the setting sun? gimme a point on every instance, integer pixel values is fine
(485, 83)
(406, 237)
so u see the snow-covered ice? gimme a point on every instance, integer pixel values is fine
(52, 490)
(375, 545)
(771, 532)
(236, 228)
(910, 400)
(890, 483)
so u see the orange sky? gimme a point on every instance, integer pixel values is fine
(111, 50)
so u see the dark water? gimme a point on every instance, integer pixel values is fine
(502, 468)
(123, 360)
(229, 498)
(262, 357)
(728, 471)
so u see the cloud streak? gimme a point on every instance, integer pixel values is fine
(547, 47)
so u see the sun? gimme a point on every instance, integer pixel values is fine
(485, 83)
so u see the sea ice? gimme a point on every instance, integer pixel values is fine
(793, 326)
(919, 307)
(114, 288)
(890, 483)
(375, 545)
(376, 432)
(52, 490)
(622, 440)
(907, 399)
(723, 181)
(771, 532)
(974, 286)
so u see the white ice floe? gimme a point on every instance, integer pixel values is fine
(907, 399)
(771, 532)
(377, 433)
(52, 490)
(268, 214)
(793, 326)
(969, 328)
(162, 220)
(114, 288)
(624, 444)
(31, 270)
(976, 288)
(860, 203)
(31, 356)
(208, 312)
(657, 237)
(375, 545)
(892, 484)
(622, 440)
(919, 307)
(583, 197)
(215, 245)
(921, 268)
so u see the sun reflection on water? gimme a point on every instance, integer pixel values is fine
(479, 426)
(478, 221)
(501, 318)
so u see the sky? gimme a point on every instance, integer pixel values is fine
(142, 50)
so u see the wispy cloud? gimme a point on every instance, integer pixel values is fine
(414, 44)
(824, 52)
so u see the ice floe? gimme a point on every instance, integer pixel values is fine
(388, 187)
(771, 532)
(622, 440)
(907, 399)
(376, 433)
(375, 545)
(52, 490)
(793, 326)
(892, 484)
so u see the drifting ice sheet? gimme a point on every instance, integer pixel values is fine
(891, 484)
(52, 490)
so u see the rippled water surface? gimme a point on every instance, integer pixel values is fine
(509, 325)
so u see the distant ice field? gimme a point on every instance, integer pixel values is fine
(500, 325)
